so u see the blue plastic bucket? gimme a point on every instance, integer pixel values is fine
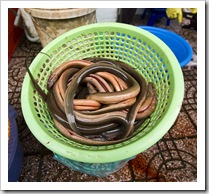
(15, 152)
(180, 47)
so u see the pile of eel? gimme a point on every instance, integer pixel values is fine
(98, 101)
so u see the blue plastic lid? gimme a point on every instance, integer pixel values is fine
(180, 47)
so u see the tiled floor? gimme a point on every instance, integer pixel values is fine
(172, 159)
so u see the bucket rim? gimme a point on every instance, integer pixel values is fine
(58, 13)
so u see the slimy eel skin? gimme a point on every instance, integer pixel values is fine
(97, 101)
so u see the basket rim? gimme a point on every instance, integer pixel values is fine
(126, 151)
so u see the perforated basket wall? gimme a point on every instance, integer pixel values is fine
(140, 49)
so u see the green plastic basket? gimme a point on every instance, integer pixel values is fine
(143, 51)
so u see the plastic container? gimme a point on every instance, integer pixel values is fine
(180, 47)
(93, 169)
(50, 23)
(140, 49)
(15, 152)
(155, 13)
